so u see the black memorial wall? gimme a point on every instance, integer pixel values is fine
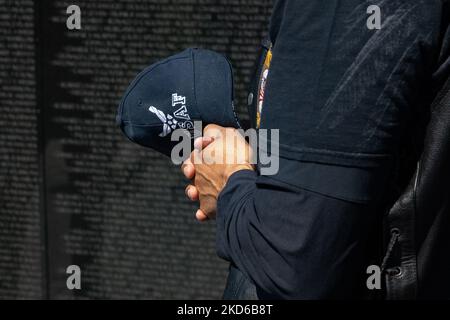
(73, 190)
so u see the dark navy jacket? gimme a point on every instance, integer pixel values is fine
(347, 100)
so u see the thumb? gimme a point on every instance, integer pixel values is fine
(202, 142)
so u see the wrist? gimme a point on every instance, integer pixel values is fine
(236, 168)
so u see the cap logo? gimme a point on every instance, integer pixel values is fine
(182, 113)
(169, 121)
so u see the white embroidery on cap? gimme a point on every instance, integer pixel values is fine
(169, 121)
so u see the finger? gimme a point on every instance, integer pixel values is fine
(207, 206)
(196, 157)
(201, 216)
(202, 142)
(188, 169)
(212, 131)
(192, 192)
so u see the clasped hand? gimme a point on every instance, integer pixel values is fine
(216, 156)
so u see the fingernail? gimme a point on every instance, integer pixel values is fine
(198, 143)
(187, 170)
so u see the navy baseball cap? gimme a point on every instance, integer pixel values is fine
(171, 94)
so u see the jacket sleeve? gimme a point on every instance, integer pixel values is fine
(292, 243)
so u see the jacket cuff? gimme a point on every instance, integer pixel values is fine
(239, 187)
